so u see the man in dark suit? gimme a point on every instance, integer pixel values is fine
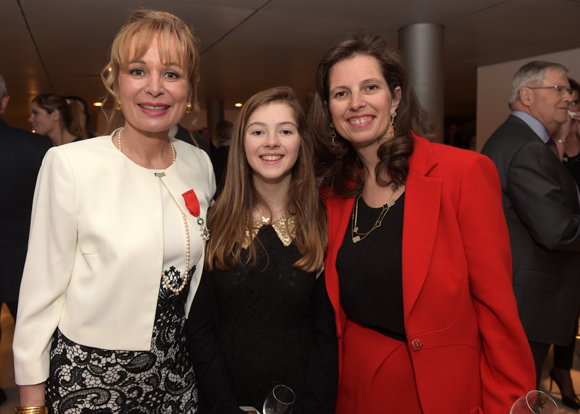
(541, 205)
(183, 134)
(21, 154)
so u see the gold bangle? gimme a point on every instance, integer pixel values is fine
(31, 410)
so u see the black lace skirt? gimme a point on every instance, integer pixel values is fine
(87, 380)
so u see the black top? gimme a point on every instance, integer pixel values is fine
(275, 325)
(572, 164)
(370, 272)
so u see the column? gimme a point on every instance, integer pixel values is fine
(422, 45)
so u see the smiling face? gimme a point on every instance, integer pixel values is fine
(546, 105)
(153, 93)
(272, 143)
(42, 122)
(360, 101)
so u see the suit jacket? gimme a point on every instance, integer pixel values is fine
(96, 249)
(468, 348)
(21, 153)
(200, 141)
(540, 201)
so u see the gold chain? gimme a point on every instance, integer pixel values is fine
(354, 218)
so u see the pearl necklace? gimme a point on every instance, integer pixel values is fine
(121, 148)
(187, 239)
(187, 251)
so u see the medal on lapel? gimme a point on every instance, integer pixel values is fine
(193, 206)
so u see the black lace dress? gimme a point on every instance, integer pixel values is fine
(88, 380)
(265, 321)
(276, 326)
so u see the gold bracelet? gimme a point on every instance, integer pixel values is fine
(31, 410)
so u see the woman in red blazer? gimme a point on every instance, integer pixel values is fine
(418, 266)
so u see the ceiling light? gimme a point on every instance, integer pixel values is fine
(238, 105)
(98, 104)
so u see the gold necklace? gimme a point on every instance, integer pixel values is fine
(266, 220)
(187, 239)
(354, 218)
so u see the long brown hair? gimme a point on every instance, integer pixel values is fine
(231, 214)
(142, 26)
(71, 115)
(338, 163)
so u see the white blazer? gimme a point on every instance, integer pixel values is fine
(95, 254)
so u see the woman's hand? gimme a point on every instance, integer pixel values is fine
(32, 395)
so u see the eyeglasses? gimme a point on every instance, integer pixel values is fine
(558, 89)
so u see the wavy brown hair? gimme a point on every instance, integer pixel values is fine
(231, 214)
(141, 27)
(71, 115)
(338, 163)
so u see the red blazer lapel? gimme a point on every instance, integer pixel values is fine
(422, 203)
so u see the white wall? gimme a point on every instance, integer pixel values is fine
(494, 84)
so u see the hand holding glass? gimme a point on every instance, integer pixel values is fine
(279, 401)
(536, 402)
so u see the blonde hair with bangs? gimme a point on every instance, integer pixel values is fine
(173, 36)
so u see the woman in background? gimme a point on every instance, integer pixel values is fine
(418, 266)
(569, 148)
(117, 243)
(274, 320)
(58, 118)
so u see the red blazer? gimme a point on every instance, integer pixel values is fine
(460, 314)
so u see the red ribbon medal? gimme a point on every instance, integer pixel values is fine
(192, 205)
(191, 202)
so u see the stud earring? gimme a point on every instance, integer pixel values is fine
(118, 105)
(188, 107)
(333, 135)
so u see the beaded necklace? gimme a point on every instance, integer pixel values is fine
(188, 248)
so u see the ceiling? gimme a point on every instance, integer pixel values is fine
(248, 45)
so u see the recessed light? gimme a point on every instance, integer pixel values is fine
(98, 104)
(238, 105)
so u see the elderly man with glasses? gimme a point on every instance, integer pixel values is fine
(541, 205)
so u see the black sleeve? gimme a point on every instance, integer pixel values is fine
(321, 383)
(216, 393)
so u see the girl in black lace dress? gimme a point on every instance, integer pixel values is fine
(273, 316)
(117, 243)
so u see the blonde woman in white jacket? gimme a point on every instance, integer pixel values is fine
(117, 241)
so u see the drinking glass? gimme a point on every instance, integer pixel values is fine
(280, 400)
(536, 402)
